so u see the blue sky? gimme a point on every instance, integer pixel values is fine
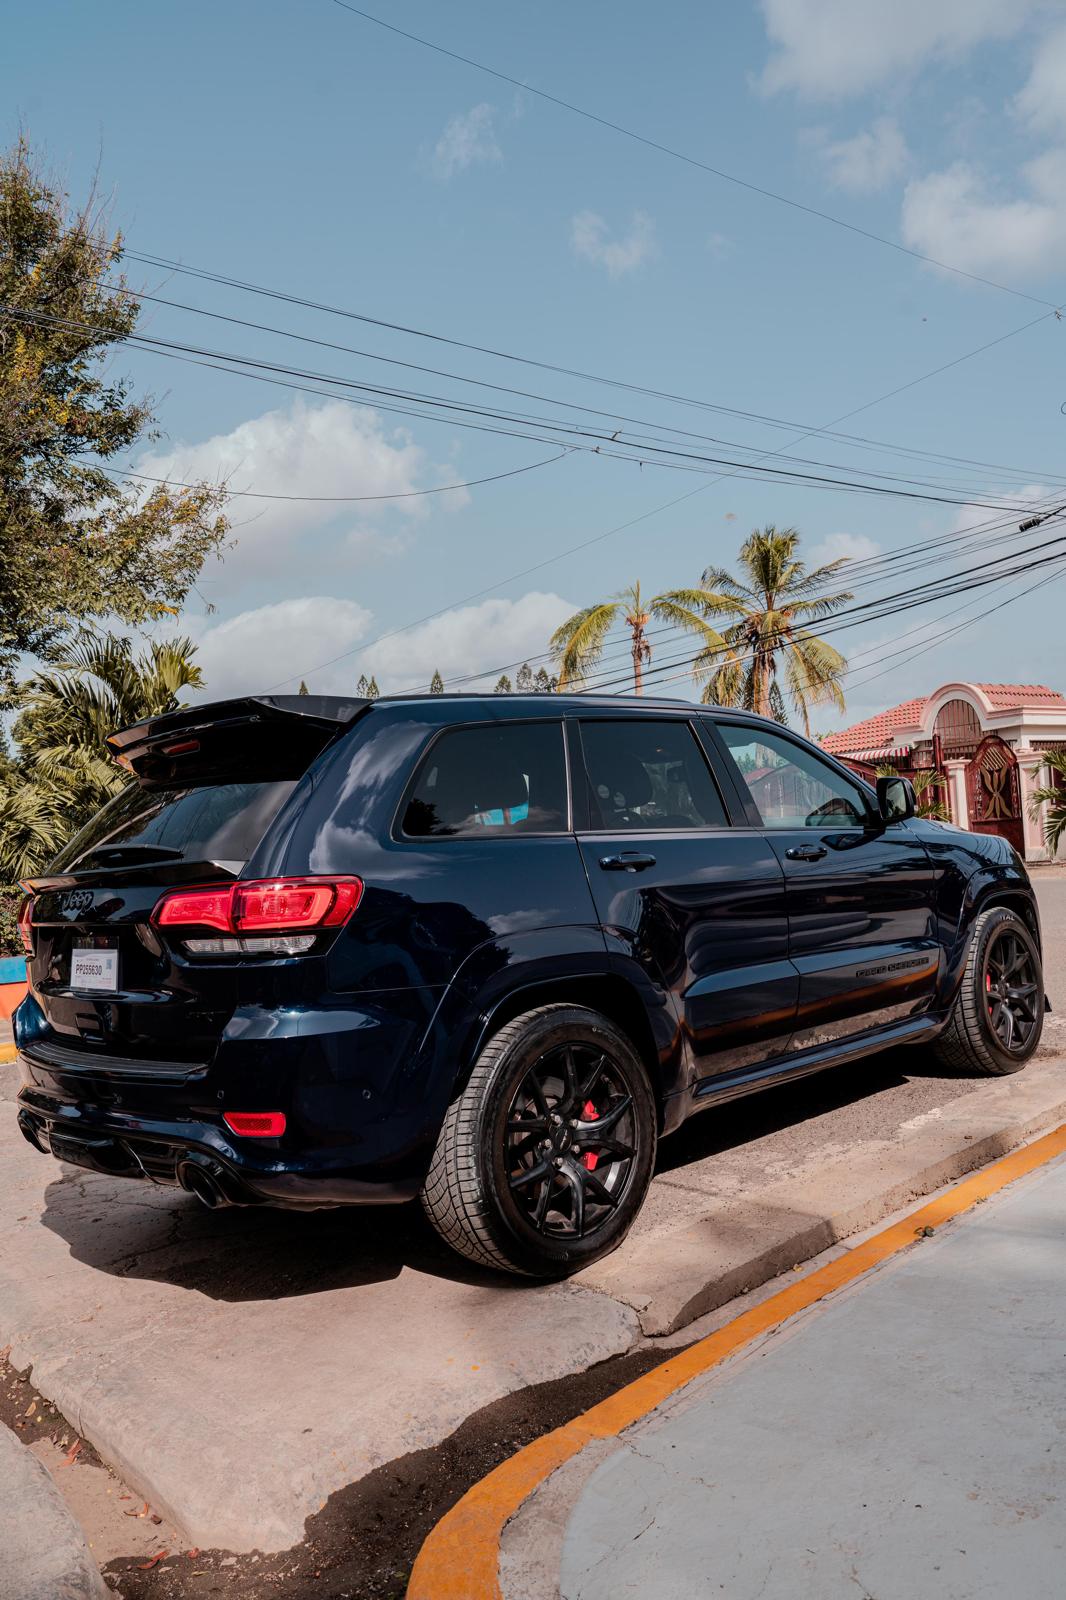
(298, 146)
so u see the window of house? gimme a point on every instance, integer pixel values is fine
(648, 774)
(490, 782)
(791, 786)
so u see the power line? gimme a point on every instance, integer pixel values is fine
(343, 499)
(692, 161)
(853, 442)
(208, 275)
(611, 445)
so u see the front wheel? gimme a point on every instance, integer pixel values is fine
(546, 1155)
(998, 1016)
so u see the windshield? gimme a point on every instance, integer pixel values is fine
(213, 822)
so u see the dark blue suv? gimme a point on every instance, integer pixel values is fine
(488, 950)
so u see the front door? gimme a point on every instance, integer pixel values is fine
(860, 894)
(699, 906)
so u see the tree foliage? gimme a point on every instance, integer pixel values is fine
(578, 643)
(1053, 795)
(772, 603)
(62, 772)
(76, 543)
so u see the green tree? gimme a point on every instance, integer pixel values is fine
(303, 689)
(578, 643)
(523, 683)
(436, 683)
(773, 602)
(63, 771)
(77, 544)
(542, 684)
(1053, 795)
(372, 690)
(503, 684)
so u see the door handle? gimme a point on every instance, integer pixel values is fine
(628, 861)
(806, 852)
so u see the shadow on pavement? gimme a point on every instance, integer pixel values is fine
(143, 1231)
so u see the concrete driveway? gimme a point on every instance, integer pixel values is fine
(237, 1368)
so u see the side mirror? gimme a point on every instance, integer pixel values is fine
(895, 799)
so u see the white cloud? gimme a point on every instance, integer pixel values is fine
(250, 653)
(866, 162)
(482, 638)
(832, 49)
(284, 642)
(1042, 101)
(957, 216)
(591, 239)
(853, 546)
(469, 140)
(327, 449)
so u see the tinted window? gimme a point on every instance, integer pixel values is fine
(211, 822)
(648, 774)
(790, 785)
(491, 781)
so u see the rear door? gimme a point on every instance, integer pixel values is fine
(699, 906)
(860, 895)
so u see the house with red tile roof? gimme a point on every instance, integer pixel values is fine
(987, 740)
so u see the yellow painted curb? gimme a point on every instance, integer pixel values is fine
(7, 1053)
(460, 1558)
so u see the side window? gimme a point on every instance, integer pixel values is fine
(791, 786)
(648, 774)
(499, 780)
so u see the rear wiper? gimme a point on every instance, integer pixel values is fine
(115, 854)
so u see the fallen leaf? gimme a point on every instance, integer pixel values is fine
(143, 1512)
(193, 1553)
(146, 1566)
(72, 1454)
(156, 1520)
(31, 1408)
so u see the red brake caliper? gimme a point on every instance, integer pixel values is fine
(589, 1114)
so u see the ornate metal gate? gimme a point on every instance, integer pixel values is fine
(993, 791)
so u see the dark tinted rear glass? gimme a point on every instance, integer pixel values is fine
(491, 781)
(213, 822)
(648, 774)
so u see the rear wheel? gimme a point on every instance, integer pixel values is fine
(545, 1157)
(998, 1016)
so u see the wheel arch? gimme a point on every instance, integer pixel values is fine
(608, 993)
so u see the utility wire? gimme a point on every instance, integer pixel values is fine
(692, 161)
(605, 444)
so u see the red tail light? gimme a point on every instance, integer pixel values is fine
(255, 1124)
(293, 905)
(24, 920)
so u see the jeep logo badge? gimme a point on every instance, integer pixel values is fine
(75, 900)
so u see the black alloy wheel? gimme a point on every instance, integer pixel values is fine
(569, 1141)
(546, 1154)
(1014, 993)
(998, 1015)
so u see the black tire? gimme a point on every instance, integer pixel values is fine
(991, 1029)
(519, 1140)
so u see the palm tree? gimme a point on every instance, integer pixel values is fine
(578, 643)
(773, 601)
(1053, 795)
(64, 772)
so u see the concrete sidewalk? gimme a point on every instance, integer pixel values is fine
(43, 1553)
(901, 1440)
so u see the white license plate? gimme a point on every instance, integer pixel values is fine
(93, 969)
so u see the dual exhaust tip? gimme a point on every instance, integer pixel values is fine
(209, 1181)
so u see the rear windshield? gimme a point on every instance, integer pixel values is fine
(220, 822)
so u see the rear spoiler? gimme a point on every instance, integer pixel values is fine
(259, 736)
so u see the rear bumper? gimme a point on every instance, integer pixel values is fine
(176, 1146)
